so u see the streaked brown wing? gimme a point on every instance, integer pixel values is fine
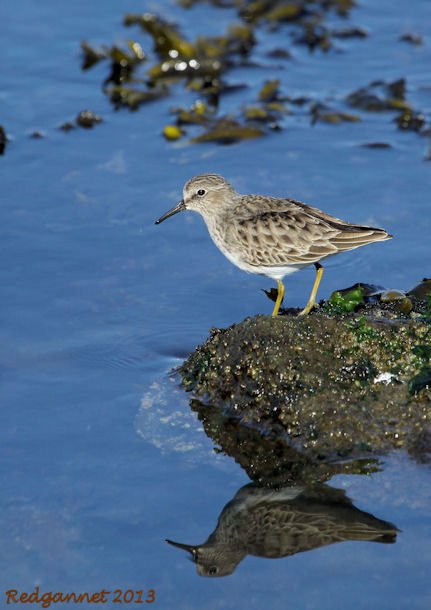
(282, 238)
(294, 233)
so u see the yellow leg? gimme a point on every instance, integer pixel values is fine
(312, 299)
(279, 298)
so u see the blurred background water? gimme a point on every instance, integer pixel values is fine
(101, 458)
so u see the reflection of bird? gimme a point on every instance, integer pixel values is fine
(277, 523)
(269, 236)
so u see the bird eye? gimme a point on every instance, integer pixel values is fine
(212, 571)
(201, 192)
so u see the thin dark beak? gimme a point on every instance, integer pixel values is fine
(178, 208)
(186, 547)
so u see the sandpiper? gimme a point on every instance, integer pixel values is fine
(268, 235)
(275, 523)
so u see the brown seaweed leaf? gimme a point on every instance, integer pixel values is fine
(173, 69)
(321, 113)
(415, 39)
(132, 97)
(167, 41)
(275, 11)
(270, 92)
(379, 96)
(410, 120)
(200, 113)
(315, 36)
(228, 131)
(90, 55)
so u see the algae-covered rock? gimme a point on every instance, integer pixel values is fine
(334, 386)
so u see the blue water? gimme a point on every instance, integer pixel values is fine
(101, 458)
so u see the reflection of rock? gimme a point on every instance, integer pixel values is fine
(269, 459)
(333, 386)
(278, 523)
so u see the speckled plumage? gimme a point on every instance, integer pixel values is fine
(267, 235)
(275, 523)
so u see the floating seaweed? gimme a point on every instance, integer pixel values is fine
(315, 36)
(123, 62)
(270, 92)
(3, 140)
(228, 131)
(88, 119)
(199, 114)
(320, 112)
(376, 145)
(415, 39)
(349, 33)
(67, 126)
(279, 53)
(90, 55)
(201, 65)
(409, 120)
(380, 96)
(168, 43)
(132, 97)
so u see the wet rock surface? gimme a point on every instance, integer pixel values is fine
(331, 386)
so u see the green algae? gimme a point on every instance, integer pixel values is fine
(342, 303)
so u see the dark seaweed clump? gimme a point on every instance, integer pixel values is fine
(3, 140)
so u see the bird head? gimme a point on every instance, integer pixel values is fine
(206, 194)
